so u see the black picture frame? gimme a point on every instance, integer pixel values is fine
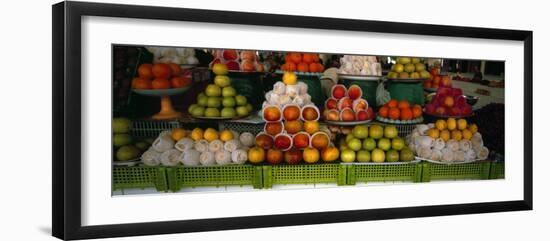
(66, 48)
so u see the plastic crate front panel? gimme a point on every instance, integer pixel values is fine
(473, 171)
(304, 174)
(384, 173)
(229, 175)
(139, 177)
(152, 128)
(497, 171)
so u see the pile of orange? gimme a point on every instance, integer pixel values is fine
(400, 110)
(160, 76)
(302, 62)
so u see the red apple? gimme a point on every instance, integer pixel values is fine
(283, 142)
(229, 54)
(361, 115)
(370, 113)
(293, 156)
(272, 113)
(264, 141)
(338, 91)
(355, 92)
(345, 102)
(347, 114)
(331, 103)
(233, 65)
(301, 140)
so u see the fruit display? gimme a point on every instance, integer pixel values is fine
(400, 112)
(437, 80)
(448, 141)
(161, 76)
(302, 63)
(449, 102)
(220, 99)
(288, 91)
(244, 60)
(408, 68)
(359, 65)
(374, 143)
(126, 148)
(346, 105)
(198, 148)
(179, 56)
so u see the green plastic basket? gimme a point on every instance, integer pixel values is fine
(497, 171)
(152, 128)
(473, 171)
(139, 177)
(304, 174)
(412, 92)
(214, 176)
(384, 173)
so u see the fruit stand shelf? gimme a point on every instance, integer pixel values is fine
(229, 175)
(384, 173)
(139, 177)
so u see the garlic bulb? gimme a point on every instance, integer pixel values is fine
(207, 158)
(170, 157)
(231, 145)
(201, 145)
(239, 156)
(184, 144)
(215, 146)
(163, 143)
(190, 157)
(223, 157)
(151, 157)
(247, 139)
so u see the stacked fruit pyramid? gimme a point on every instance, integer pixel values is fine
(292, 134)
(288, 91)
(408, 68)
(302, 62)
(347, 105)
(400, 112)
(220, 99)
(374, 144)
(244, 60)
(449, 102)
(448, 141)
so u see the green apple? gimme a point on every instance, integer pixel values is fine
(228, 102)
(347, 155)
(355, 144)
(249, 107)
(390, 132)
(222, 80)
(406, 155)
(398, 68)
(191, 107)
(228, 112)
(378, 155)
(415, 60)
(424, 74)
(392, 156)
(202, 100)
(419, 67)
(211, 112)
(376, 131)
(142, 145)
(228, 91)
(349, 136)
(213, 90)
(397, 143)
(121, 125)
(363, 156)
(198, 111)
(409, 68)
(369, 144)
(214, 102)
(415, 75)
(360, 131)
(121, 140)
(241, 100)
(201, 94)
(384, 144)
(393, 75)
(127, 153)
(242, 111)
(403, 60)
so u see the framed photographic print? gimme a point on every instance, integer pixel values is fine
(171, 120)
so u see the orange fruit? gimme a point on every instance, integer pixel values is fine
(403, 104)
(302, 67)
(406, 114)
(287, 58)
(383, 111)
(394, 113)
(176, 69)
(307, 58)
(162, 71)
(161, 84)
(315, 58)
(179, 82)
(392, 103)
(145, 71)
(289, 66)
(296, 57)
(320, 68)
(417, 111)
(313, 67)
(141, 83)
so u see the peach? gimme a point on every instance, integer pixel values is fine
(272, 113)
(291, 112)
(248, 66)
(345, 102)
(311, 155)
(319, 140)
(283, 142)
(248, 55)
(361, 115)
(338, 91)
(293, 156)
(301, 140)
(332, 115)
(273, 128)
(311, 126)
(293, 127)
(310, 113)
(274, 156)
(264, 140)
(330, 154)
(347, 114)
(360, 104)
(355, 92)
(230, 54)
(331, 103)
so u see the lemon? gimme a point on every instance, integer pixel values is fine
(457, 135)
(441, 125)
(473, 128)
(445, 135)
(197, 134)
(226, 135)
(467, 134)
(462, 124)
(451, 124)
(433, 133)
(210, 134)
(178, 134)
(289, 78)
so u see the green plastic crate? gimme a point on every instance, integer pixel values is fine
(497, 171)
(214, 176)
(384, 173)
(475, 171)
(304, 174)
(139, 177)
(413, 92)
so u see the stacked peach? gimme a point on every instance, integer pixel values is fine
(302, 62)
(161, 76)
(347, 105)
(244, 60)
(400, 110)
(437, 80)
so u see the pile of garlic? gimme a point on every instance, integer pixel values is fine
(173, 55)
(167, 152)
(449, 151)
(360, 65)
